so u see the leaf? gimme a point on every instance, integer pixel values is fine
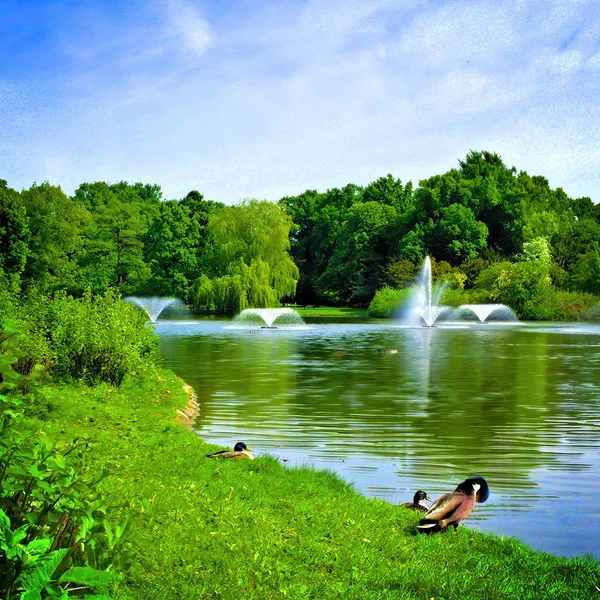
(86, 576)
(4, 522)
(35, 578)
(39, 546)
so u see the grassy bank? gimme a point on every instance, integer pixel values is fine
(332, 312)
(254, 530)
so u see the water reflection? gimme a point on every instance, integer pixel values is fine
(394, 410)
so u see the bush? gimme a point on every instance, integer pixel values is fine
(98, 338)
(387, 301)
(573, 305)
(94, 338)
(54, 537)
(592, 313)
(524, 286)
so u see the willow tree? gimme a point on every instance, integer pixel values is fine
(249, 263)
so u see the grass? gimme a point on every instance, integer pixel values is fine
(256, 529)
(333, 312)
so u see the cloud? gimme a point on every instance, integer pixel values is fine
(186, 23)
(274, 98)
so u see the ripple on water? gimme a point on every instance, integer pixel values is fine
(519, 405)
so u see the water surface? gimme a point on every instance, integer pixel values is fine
(393, 410)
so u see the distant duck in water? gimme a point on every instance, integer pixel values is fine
(387, 351)
(240, 452)
(418, 502)
(450, 509)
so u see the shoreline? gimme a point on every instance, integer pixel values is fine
(311, 534)
(187, 416)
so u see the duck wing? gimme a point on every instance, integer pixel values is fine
(221, 454)
(446, 510)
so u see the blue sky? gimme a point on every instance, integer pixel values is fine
(263, 99)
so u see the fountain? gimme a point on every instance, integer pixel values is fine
(154, 306)
(501, 312)
(424, 307)
(266, 317)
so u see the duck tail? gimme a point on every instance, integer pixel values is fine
(216, 454)
(428, 527)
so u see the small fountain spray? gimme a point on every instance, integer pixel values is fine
(266, 318)
(153, 306)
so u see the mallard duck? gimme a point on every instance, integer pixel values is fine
(418, 502)
(240, 452)
(452, 508)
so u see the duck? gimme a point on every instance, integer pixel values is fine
(450, 509)
(240, 452)
(418, 502)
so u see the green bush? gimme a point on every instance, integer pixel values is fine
(387, 301)
(523, 286)
(592, 313)
(98, 338)
(573, 305)
(94, 338)
(55, 541)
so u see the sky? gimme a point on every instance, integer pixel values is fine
(263, 99)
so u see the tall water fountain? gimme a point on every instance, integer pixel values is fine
(424, 306)
(154, 306)
(269, 318)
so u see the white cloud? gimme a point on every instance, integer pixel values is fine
(319, 95)
(186, 22)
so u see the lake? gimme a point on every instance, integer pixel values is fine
(395, 409)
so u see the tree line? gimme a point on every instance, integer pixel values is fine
(334, 247)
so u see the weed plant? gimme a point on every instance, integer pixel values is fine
(55, 540)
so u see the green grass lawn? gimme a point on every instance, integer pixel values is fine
(257, 529)
(333, 312)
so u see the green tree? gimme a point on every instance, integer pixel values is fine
(14, 234)
(358, 264)
(390, 191)
(56, 224)
(248, 264)
(113, 252)
(457, 236)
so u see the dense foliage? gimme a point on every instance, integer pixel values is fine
(334, 247)
(55, 538)
(349, 243)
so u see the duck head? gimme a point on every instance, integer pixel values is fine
(241, 446)
(420, 496)
(477, 485)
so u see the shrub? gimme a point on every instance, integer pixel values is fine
(524, 286)
(98, 338)
(387, 301)
(592, 313)
(573, 305)
(94, 338)
(54, 536)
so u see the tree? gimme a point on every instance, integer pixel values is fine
(457, 236)
(14, 234)
(113, 250)
(56, 224)
(249, 263)
(176, 243)
(357, 267)
(390, 191)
